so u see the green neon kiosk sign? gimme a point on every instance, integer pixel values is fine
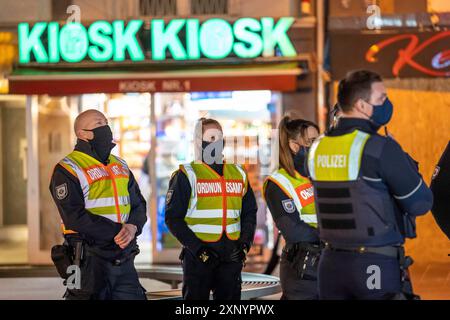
(102, 41)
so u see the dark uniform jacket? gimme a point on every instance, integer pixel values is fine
(394, 171)
(292, 228)
(95, 229)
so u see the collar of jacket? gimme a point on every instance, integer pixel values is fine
(347, 125)
(85, 147)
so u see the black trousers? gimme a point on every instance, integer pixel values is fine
(293, 287)
(352, 275)
(223, 279)
(101, 280)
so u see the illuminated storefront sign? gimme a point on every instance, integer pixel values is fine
(178, 39)
(404, 55)
(440, 61)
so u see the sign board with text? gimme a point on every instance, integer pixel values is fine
(391, 54)
(177, 39)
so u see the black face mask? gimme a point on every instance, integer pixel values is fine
(212, 151)
(300, 160)
(102, 142)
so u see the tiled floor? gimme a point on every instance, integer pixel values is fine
(49, 288)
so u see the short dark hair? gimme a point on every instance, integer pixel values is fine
(356, 85)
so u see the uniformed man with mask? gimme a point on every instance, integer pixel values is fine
(102, 211)
(211, 210)
(368, 192)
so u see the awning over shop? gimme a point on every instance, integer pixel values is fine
(277, 77)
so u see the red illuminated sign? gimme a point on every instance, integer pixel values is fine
(440, 60)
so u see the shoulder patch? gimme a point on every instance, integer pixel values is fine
(169, 196)
(61, 191)
(288, 205)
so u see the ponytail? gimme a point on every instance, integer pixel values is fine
(285, 154)
(290, 129)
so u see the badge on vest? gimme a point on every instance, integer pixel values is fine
(288, 205)
(169, 196)
(61, 191)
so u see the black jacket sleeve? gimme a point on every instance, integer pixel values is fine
(291, 226)
(72, 210)
(404, 180)
(138, 214)
(177, 201)
(248, 217)
(440, 186)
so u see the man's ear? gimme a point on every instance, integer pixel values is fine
(361, 107)
(85, 135)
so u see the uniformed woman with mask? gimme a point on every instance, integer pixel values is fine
(290, 199)
(211, 210)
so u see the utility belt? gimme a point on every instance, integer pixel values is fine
(75, 253)
(115, 262)
(304, 258)
(390, 251)
(66, 255)
(397, 252)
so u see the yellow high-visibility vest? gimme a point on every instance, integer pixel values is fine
(300, 190)
(337, 158)
(216, 201)
(105, 187)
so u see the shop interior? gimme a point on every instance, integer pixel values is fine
(140, 122)
(248, 114)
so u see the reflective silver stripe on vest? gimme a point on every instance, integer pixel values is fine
(106, 202)
(213, 213)
(289, 188)
(244, 178)
(215, 229)
(101, 202)
(80, 174)
(308, 218)
(312, 155)
(193, 181)
(355, 155)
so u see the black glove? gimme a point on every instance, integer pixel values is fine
(239, 253)
(207, 255)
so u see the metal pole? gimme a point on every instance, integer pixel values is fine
(320, 53)
(152, 202)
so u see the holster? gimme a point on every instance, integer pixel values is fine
(407, 288)
(65, 255)
(62, 259)
(304, 258)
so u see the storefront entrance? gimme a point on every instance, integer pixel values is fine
(154, 134)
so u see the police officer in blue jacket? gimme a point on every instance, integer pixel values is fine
(368, 193)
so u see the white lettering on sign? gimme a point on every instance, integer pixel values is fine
(97, 173)
(137, 86)
(175, 85)
(208, 188)
(234, 187)
(334, 161)
(307, 193)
